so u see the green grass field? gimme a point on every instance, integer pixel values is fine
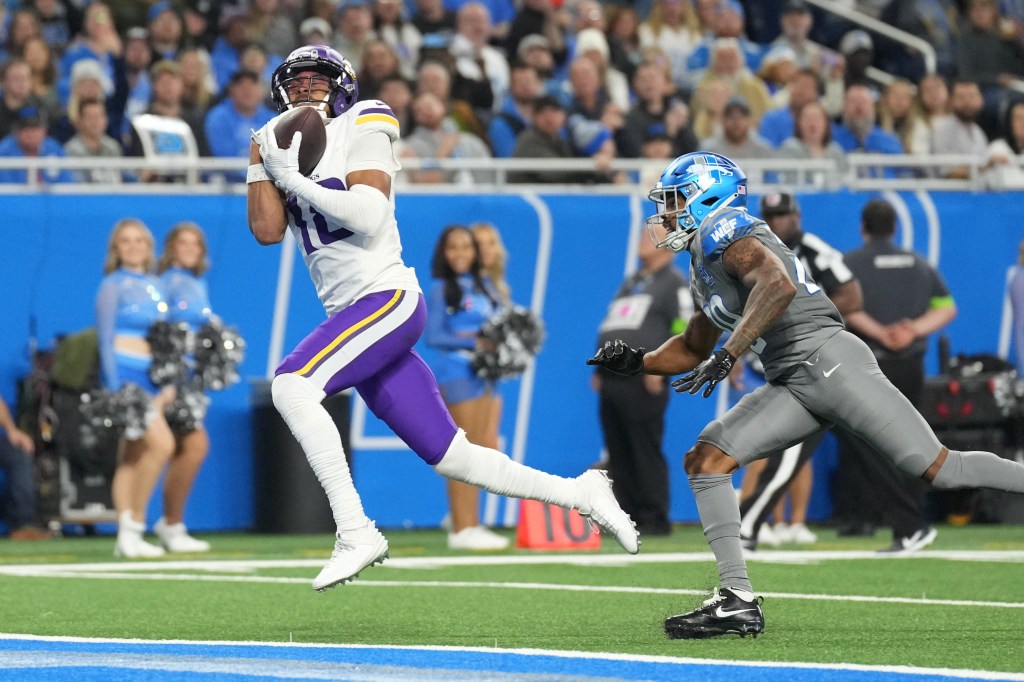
(867, 610)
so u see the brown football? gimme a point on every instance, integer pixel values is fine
(305, 120)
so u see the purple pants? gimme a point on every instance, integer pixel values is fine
(368, 345)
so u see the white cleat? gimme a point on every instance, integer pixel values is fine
(175, 538)
(802, 535)
(477, 538)
(603, 509)
(783, 532)
(767, 537)
(354, 550)
(130, 544)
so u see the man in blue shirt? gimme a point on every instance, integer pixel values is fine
(228, 124)
(28, 138)
(856, 131)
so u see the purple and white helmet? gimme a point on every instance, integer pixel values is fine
(330, 66)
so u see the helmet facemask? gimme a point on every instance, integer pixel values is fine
(315, 65)
(672, 226)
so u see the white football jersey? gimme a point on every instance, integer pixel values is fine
(346, 266)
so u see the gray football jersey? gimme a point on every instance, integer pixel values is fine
(808, 321)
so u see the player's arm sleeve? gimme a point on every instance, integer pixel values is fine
(436, 333)
(362, 209)
(106, 327)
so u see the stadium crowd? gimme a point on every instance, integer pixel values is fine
(524, 78)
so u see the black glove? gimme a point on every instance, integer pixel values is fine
(616, 356)
(709, 372)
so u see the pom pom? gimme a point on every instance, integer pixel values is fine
(218, 352)
(513, 336)
(128, 411)
(168, 344)
(187, 412)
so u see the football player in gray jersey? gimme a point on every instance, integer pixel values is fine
(745, 281)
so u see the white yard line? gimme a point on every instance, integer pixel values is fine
(573, 559)
(70, 572)
(666, 660)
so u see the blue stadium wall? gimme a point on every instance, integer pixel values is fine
(51, 267)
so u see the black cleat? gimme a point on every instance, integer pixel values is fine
(724, 613)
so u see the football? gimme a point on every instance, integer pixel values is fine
(305, 120)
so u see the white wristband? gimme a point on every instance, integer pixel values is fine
(257, 173)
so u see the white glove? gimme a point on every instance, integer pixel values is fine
(281, 164)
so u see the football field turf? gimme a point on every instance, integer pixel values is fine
(837, 605)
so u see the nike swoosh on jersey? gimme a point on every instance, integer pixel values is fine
(829, 373)
(722, 613)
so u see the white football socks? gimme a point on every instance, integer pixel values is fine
(495, 472)
(298, 400)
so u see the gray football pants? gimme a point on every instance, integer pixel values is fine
(841, 385)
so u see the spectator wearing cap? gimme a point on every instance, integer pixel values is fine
(269, 26)
(28, 139)
(232, 38)
(99, 41)
(227, 125)
(727, 23)
(674, 29)
(137, 60)
(516, 111)
(431, 17)
(165, 30)
(812, 139)
(546, 139)
(379, 63)
(15, 93)
(727, 64)
(538, 18)
(392, 26)
(858, 50)
(593, 45)
(475, 59)
(535, 50)
(91, 141)
(315, 31)
(796, 22)
(657, 110)
(738, 139)
(200, 19)
(960, 133)
(436, 137)
(777, 69)
(353, 30)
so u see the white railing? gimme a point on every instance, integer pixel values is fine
(869, 22)
(866, 172)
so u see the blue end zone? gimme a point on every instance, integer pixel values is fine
(28, 659)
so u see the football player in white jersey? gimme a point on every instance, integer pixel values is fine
(343, 219)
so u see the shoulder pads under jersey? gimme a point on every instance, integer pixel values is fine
(373, 116)
(722, 228)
